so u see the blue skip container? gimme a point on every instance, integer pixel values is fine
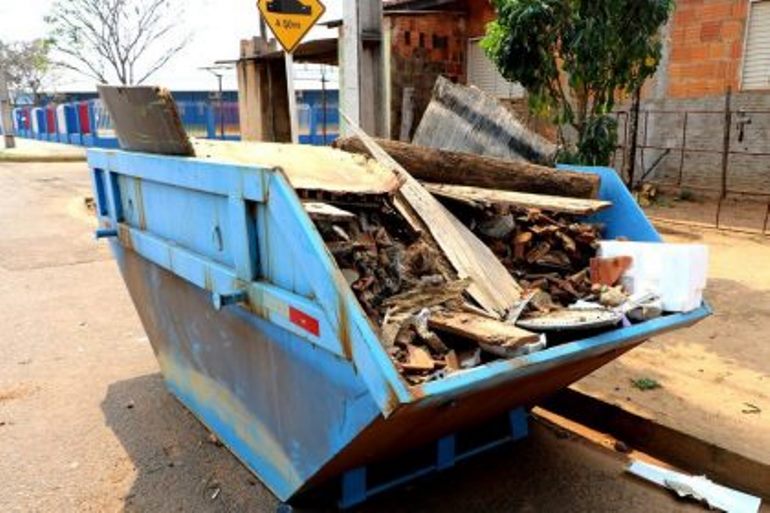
(258, 333)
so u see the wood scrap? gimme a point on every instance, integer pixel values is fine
(427, 296)
(492, 286)
(418, 359)
(454, 168)
(481, 329)
(146, 120)
(488, 197)
(325, 213)
(550, 253)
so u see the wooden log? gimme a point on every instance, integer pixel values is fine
(482, 329)
(485, 197)
(454, 168)
(492, 286)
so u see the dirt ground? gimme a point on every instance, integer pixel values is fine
(715, 376)
(87, 425)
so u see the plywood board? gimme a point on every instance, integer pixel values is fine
(307, 167)
(482, 329)
(146, 119)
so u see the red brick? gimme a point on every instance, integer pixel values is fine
(710, 31)
(732, 30)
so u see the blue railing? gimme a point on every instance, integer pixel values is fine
(87, 123)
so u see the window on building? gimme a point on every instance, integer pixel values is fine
(484, 75)
(756, 60)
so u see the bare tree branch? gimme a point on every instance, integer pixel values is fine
(130, 38)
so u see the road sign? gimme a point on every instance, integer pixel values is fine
(291, 20)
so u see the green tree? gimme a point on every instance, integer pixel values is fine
(28, 67)
(576, 58)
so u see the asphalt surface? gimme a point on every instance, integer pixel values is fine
(87, 425)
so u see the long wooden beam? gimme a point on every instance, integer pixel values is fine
(454, 168)
(480, 196)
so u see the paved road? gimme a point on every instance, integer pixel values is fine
(86, 424)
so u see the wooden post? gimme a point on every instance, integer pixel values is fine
(361, 66)
(263, 102)
(631, 145)
(725, 153)
(5, 112)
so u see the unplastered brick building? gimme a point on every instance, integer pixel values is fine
(710, 47)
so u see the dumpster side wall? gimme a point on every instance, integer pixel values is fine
(283, 411)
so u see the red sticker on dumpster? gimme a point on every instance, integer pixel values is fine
(304, 321)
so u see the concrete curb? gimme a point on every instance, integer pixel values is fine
(680, 449)
(44, 159)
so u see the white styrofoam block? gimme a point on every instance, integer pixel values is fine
(676, 272)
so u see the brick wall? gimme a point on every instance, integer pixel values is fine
(480, 12)
(423, 46)
(706, 47)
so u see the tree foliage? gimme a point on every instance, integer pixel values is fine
(575, 58)
(28, 67)
(123, 41)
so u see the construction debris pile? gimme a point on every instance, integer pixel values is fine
(549, 253)
(398, 279)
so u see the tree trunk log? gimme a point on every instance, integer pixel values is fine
(448, 167)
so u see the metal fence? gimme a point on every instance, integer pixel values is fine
(724, 155)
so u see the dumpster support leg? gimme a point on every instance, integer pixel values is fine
(353, 488)
(519, 424)
(356, 489)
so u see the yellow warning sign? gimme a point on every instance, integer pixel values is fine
(291, 20)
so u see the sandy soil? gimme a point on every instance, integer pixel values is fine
(86, 424)
(715, 376)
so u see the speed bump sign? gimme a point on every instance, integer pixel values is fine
(291, 20)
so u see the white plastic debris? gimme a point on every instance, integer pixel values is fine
(699, 488)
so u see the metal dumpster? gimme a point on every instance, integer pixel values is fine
(258, 333)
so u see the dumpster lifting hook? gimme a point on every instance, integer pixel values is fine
(222, 300)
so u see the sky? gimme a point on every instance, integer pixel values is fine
(217, 27)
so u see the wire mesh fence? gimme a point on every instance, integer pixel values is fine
(719, 160)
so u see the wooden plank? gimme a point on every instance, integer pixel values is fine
(146, 120)
(492, 286)
(456, 168)
(307, 167)
(482, 329)
(327, 213)
(477, 195)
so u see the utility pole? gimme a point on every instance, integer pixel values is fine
(5, 112)
(362, 65)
